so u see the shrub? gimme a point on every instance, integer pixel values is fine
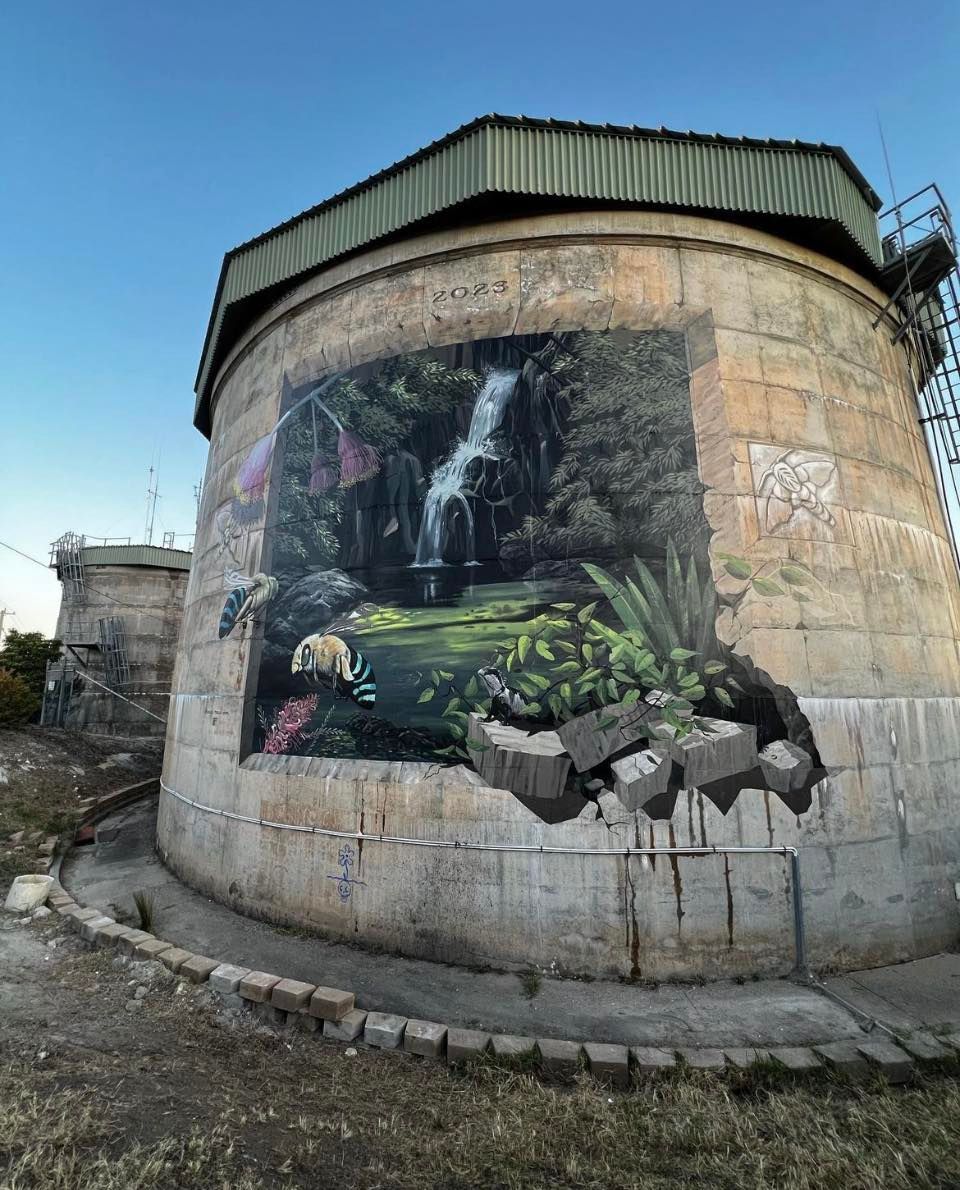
(17, 703)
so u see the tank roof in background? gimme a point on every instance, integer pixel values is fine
(136, 555)
(498, 166)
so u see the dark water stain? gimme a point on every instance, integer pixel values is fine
(693, 837)
(653, 858)
(677, 882)
(703, 825)
(766, 802)
(726, 877)
(360, 842)
(633, 926)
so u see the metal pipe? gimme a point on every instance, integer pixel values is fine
(799, 934)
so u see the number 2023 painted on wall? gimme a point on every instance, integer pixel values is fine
(461, 291)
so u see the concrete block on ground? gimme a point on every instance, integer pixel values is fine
(66, 910)
(426, 1038)
(347, 1028)
(27, 893)
(256, 986)
(58, 899)
(331, 1004)
(225, 979)
(80, 915)
(559, 1057)
(107, 936)
(796, 1057)
(844, 1057)
(174, 958)
(742, 1057)
(506, 1045)
(89, 927)
(301, 1019)
(128, 942)
(648, 1059)
(291, 995)
(384, 1030)
(925, 1047)
(465, 1044)
(198, 968)
(703, 1059)
(609, 1063)
(150, 948)
(895, 1064)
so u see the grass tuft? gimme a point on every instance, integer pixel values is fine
(145, 910)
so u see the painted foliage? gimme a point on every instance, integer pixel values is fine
(496, 553)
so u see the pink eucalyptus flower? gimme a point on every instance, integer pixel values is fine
(358, 460)
(288, 729)
(252, 473)
(323, 475)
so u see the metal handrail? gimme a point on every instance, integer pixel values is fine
(799, 931)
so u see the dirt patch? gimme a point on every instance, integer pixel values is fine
(180, 1092)
(46, 772)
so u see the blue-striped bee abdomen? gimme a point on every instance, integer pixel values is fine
(362, 687)
(228, 617)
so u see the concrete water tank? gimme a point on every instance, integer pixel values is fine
(566, 494)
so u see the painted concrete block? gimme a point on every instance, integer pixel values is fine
(559, 1057)
(347, 1028)
(198, 968)
(331, 1004)
(895, 1064)
(291, 995)
(174, 958)
(256, 986)
(464, 1044)
(703, 1059)
(506, 1045)
(89, 927)
(798, 1058)
(425, 1037)
(648, 1059)
(384, 1030)
(225, 979)
(609, 1063)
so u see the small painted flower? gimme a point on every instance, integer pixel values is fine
(323, 475)
(358, 460)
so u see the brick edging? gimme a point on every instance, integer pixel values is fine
(333, 1012)
(95, 809)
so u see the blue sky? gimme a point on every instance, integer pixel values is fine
(140, 142)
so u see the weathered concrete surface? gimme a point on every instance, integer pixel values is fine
(924, 993)
(754, 1014)
(785, 362)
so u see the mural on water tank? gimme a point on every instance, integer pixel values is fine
(496, 553)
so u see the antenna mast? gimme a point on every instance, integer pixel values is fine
(152, 498)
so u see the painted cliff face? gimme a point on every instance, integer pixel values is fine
(496, 553)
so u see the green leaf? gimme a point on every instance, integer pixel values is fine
(446, 675)
(690, 679)
(737, 567)
(682, 654)
(591, 675)
(794, 575)
(544, 651)
(511, 658)
(566, 693)
(453, 704)
(456, 731)
(631, 697)
(620, 676)
(735, 685)
(723, 696)
(611, 690)
(523, 647)
(587, 651)
(435, 676)
(714, 667)
(531, 709)
(566, 667)
(472, 687)
(475, 747)
(695, 693)
(766, 586)
(539, 680)
(567, 645)
(586, 613)
(564, 607)
(555, 705)
(616, 595)
(426, 695)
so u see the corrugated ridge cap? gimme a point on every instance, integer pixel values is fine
(136, 555)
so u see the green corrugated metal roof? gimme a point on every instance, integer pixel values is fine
(553, 160)
(136, 555)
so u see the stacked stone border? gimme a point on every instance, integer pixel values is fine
(333, 1011)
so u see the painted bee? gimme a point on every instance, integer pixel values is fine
(245, 599)
(319, 656)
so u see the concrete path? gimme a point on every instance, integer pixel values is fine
(757, 1014)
